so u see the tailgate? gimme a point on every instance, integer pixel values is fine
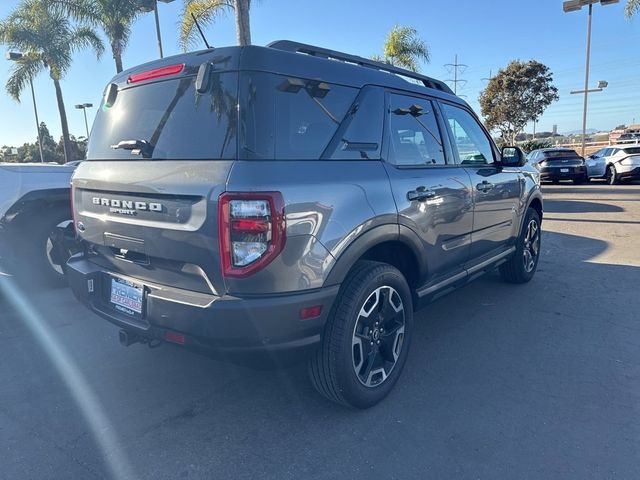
(153, 220)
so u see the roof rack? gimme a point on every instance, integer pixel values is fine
(291, 46)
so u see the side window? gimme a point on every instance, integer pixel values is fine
(415, 138)
(362, 137)
(289, 118)
(474, 147)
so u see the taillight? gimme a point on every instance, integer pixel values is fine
(251, 231)
(156, 73)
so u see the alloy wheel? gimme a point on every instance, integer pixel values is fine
(378, 336)
(531, 246)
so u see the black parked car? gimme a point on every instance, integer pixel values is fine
(555, 164)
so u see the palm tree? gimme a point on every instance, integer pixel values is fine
(114, 17)
(633, 7)
(47, 40)
(404, 48)
(206, 11)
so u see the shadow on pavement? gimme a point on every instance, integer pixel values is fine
(579, 206)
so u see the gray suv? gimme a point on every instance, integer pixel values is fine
(259, 201)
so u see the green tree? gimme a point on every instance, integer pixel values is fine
(114, 17)
(45, 36)
(404, 48)
(206, 12)
(518, 94)
(633, 7)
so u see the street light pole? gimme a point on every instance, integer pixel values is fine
(83, 107)
(586, 83)
(155, 10)
(574, 6)
(147, 6)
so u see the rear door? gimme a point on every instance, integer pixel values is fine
(496, 190)
(432, 194)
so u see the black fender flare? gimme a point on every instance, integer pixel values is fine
(369, 239)
(534, 195)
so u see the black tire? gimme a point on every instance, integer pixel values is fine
(611, 176)
(37, 252)
(332, 368)
(520, 268)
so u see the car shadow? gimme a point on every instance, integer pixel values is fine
(579, 206)
(513, 371)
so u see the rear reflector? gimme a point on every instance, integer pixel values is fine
(250, 226)
(174, 337)
(310, 312)
(157, 73)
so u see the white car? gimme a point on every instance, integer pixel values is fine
(35, 212)
(615, 163)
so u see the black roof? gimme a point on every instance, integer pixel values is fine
(305, 61)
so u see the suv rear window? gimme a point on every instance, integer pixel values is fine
(289, 118)
(177, 122)
(561, 154)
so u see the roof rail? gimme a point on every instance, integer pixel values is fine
(291, 46)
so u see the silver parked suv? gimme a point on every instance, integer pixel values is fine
(252, 201)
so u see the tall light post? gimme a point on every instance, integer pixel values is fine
(152, 5)
(14, 57)
(574, 6)
(83, 107)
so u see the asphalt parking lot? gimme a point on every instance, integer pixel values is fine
(528, 382)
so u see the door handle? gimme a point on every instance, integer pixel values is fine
(420, 194)
(484, 186)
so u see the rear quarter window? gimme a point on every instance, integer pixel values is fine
(289, 118)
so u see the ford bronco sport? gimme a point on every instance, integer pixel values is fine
(290, 198)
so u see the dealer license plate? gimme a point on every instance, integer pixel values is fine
(126, 297)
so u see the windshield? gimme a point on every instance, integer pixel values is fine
(171, 120)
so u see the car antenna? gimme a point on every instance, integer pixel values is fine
(200, 30)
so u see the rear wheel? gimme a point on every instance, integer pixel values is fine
(45, 253)
(522, 266)
(611, 175)
(366, 340)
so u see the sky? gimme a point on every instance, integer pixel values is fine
(486, 36)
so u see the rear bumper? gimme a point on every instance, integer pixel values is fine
(555, 173)
(225, 325)
(628, 173)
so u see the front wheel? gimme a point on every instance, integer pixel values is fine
(522, 266)
(366, 340)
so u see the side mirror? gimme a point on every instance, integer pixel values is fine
(512, 157)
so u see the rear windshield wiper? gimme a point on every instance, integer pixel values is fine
(137, 147)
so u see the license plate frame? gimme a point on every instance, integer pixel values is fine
(126, 297)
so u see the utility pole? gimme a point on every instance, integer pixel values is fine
(489, 78)
(457, 69)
